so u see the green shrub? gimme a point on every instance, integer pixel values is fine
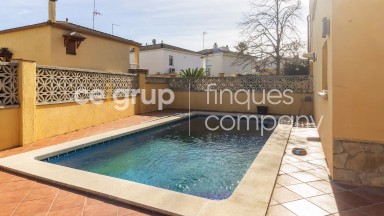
(197, 72)
(296, 67)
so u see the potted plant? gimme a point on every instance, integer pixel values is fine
(262, 110)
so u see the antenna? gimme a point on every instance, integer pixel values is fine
(113, 26)
(95, 13)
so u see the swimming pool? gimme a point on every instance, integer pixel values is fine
(251, 196)
(208, 164)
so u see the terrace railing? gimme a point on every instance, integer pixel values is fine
(59, 85)
(9, 95)
(298, 84)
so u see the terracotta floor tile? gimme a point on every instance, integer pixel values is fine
(303, 166)
(5, 177)
(20, 178)
(122, 211)
(320, 173)
(290, 159)
(67, 202)
(13, 196)
(373, 210)
(286, 180)
(370, 194)
(283, 195)
(287, 168)
(352, 199)
(347, 186)
(18, 185)
(42, 192)
(318, 155)
(2, 186)
(279, 210)
(96, 201)
(100, 210)
(304, 176)
(304, 190)
(277, 185)
(33, 207)
(273, 202)
(305, 208)
(43, 185)
(353, 212)
(304, 158)
(325, 186)
(319, 162)
(64, 192)
(329, 203)
(8, 209)
(68, 212)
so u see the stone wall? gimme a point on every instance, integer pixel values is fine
(359, 163)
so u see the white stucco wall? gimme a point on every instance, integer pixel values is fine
(222, 63)
(152, 60)
(228, 68)
(158, 60)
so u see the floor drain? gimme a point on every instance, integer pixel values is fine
(299, 151)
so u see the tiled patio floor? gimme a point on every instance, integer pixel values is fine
(303, 188)
(23, 196)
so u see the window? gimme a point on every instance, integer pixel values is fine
(170, 60)
(72, 42)
(71, 47)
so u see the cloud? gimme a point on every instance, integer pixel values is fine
(176, 22)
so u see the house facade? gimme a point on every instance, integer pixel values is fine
(346, 50)
(221, 60)
(64, 44)
(164, 59)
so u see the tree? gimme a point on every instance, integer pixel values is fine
(296, 66)
(270, 32)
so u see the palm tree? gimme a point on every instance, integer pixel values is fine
(197, 72)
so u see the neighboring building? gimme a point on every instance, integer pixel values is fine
(163, 58)
(221, 60)
(65, 44)
(346, 46)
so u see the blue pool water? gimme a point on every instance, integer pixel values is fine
(207, 164)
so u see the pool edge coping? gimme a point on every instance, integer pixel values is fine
(251, 197)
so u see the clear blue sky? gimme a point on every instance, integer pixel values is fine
(176, 22)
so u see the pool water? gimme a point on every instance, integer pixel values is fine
(207, 164)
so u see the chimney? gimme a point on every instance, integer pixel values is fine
(52, 10)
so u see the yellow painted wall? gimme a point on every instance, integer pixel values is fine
(45, 45)
(148, 96)
(199, 102)
(9, 128)
(355, 50)
(323, 111)
(95, 52)
(358, 79)
(30, 44)
(52, 120)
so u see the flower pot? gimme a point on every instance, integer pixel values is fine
(262, 110)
